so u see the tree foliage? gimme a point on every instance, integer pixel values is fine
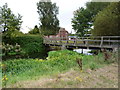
(49, 22)
(107, 21)
(81, 21)
(8, 20)
(9, 23)
(95, 7)
(83, 17)
(36, 30)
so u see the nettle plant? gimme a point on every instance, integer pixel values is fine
(8, 49)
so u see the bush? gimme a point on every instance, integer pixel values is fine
(31, 44)
(8, 49)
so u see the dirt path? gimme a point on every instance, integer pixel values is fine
(106, 77)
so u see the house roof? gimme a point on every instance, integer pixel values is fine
(62, 29)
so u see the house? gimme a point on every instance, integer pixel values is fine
(62, 34)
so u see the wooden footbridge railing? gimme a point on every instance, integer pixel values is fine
(94, 42)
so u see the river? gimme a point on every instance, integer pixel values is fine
(85, 51)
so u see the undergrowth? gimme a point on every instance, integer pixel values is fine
(56, 62)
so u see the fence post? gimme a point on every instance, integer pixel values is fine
(60, 40)
(87, 43)
(101, 44)
(83, 41)
(74, 42)
(67, 41)
(109, 41)
(63, 47)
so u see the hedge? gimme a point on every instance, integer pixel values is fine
(31, 44)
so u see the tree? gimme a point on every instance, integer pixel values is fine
(8, 21)
(81, 21)
(36, 30)
(83, 17)
(49, 23)
(107, 21)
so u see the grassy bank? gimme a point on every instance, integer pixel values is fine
(57, 62)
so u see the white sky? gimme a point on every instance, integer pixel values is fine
(28, 9)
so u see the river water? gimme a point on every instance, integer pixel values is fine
(85, 51)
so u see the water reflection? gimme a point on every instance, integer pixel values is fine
(84, 51)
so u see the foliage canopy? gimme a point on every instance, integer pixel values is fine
(107, 21)
(83, 17)
(49, 23)
(9, 22)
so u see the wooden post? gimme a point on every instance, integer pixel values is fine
(67, 42)
(74, 42)
(60, 40)
(83, 41)
(63, 47)
(79, 61)
(82, 51)
(87, 43)
(106, 55)
(109, 40)
(101, 44)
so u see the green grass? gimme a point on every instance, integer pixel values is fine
(55, 63)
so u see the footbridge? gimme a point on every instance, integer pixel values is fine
(107, 42)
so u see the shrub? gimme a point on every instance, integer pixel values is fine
(8, 49)
(30, 44)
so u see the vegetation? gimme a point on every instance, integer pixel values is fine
(55, 63)
(106, 21)
(36, 30)
(9, 22)
(49, 23)
(31, 45)
(80, 21)
(9, 49)
(35, 65)
(83, 17)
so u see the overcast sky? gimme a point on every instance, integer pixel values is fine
(28, 9)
